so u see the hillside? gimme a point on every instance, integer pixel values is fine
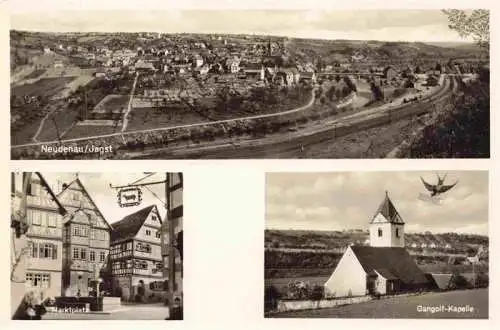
(291, 253)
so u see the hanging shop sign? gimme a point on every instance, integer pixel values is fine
(129, 197)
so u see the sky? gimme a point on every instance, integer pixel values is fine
(97, 185)
(349, 200)
(383, 25)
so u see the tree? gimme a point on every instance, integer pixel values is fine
(475, 25)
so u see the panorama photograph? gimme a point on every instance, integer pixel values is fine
(96, 246)
(222, 84)
(377, 245)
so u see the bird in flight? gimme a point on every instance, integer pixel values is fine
(439, 188)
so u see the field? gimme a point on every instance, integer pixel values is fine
(406, 307)
(84, 131)
(112, 104)
(146, 118)
(46, 87)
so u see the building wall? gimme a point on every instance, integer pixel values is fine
(381, 285)
(389, 237)
(88, 231)
(45, 228)
(348, 278)
(17, 247)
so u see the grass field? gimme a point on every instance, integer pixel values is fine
(46, 87)
(406, 307)
(113, 104)
(146, 118)
(84, 131)
(35, 74)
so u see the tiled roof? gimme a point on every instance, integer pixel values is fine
(128, 227)
(388, 210)
(393, 262)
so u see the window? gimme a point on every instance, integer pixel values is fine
(76, 253)
(38, 280)
(148, 232)
(92, 234)
(397, 232)
(379, 232)
(83, 254)
(102, 256)
(36, 218)
(81, 231)
(154, 218)
(75, 197)
(92, 255)
(42, 250)
(52, 220)
(158, 234)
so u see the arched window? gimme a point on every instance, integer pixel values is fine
(379, 232)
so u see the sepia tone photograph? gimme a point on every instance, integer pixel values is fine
(377, 245)
(247, 84)
(96, 246)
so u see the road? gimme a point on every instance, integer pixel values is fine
(149, 312)
(225, 121)
(407, 307)
(286, 145)
(129, 107)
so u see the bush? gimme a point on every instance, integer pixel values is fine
(317, 292)
(458, 282)
(481, 280)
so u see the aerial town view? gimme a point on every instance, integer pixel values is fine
(250, 89)
(377, 245)
(96, 246)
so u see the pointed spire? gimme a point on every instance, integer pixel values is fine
(388, 210)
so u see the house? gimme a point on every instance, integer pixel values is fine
(440, 281)
(141, 65)
(47, 50)
(100, 72)
(233, 65)
(308, 76)
(254, 70)
(198, 61)
(58, 64)
(86, 239)
(174, 226)
(389, 73)
(136, 254)
(203, 70)
(384, 267)
(45, 216)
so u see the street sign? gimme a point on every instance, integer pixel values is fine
(129, 197)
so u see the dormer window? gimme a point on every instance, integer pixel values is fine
(379, 232)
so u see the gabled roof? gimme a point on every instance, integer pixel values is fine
(62, 209)
(80, 184)
(392, 262)
(128, 227)
(388, 210)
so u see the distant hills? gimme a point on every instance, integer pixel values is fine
(465, 244)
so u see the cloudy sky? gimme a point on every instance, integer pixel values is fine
(348, 200)
(387, 25)
(97, 184)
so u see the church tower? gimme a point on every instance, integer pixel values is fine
(387, 226)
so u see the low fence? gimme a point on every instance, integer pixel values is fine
(293, 305)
